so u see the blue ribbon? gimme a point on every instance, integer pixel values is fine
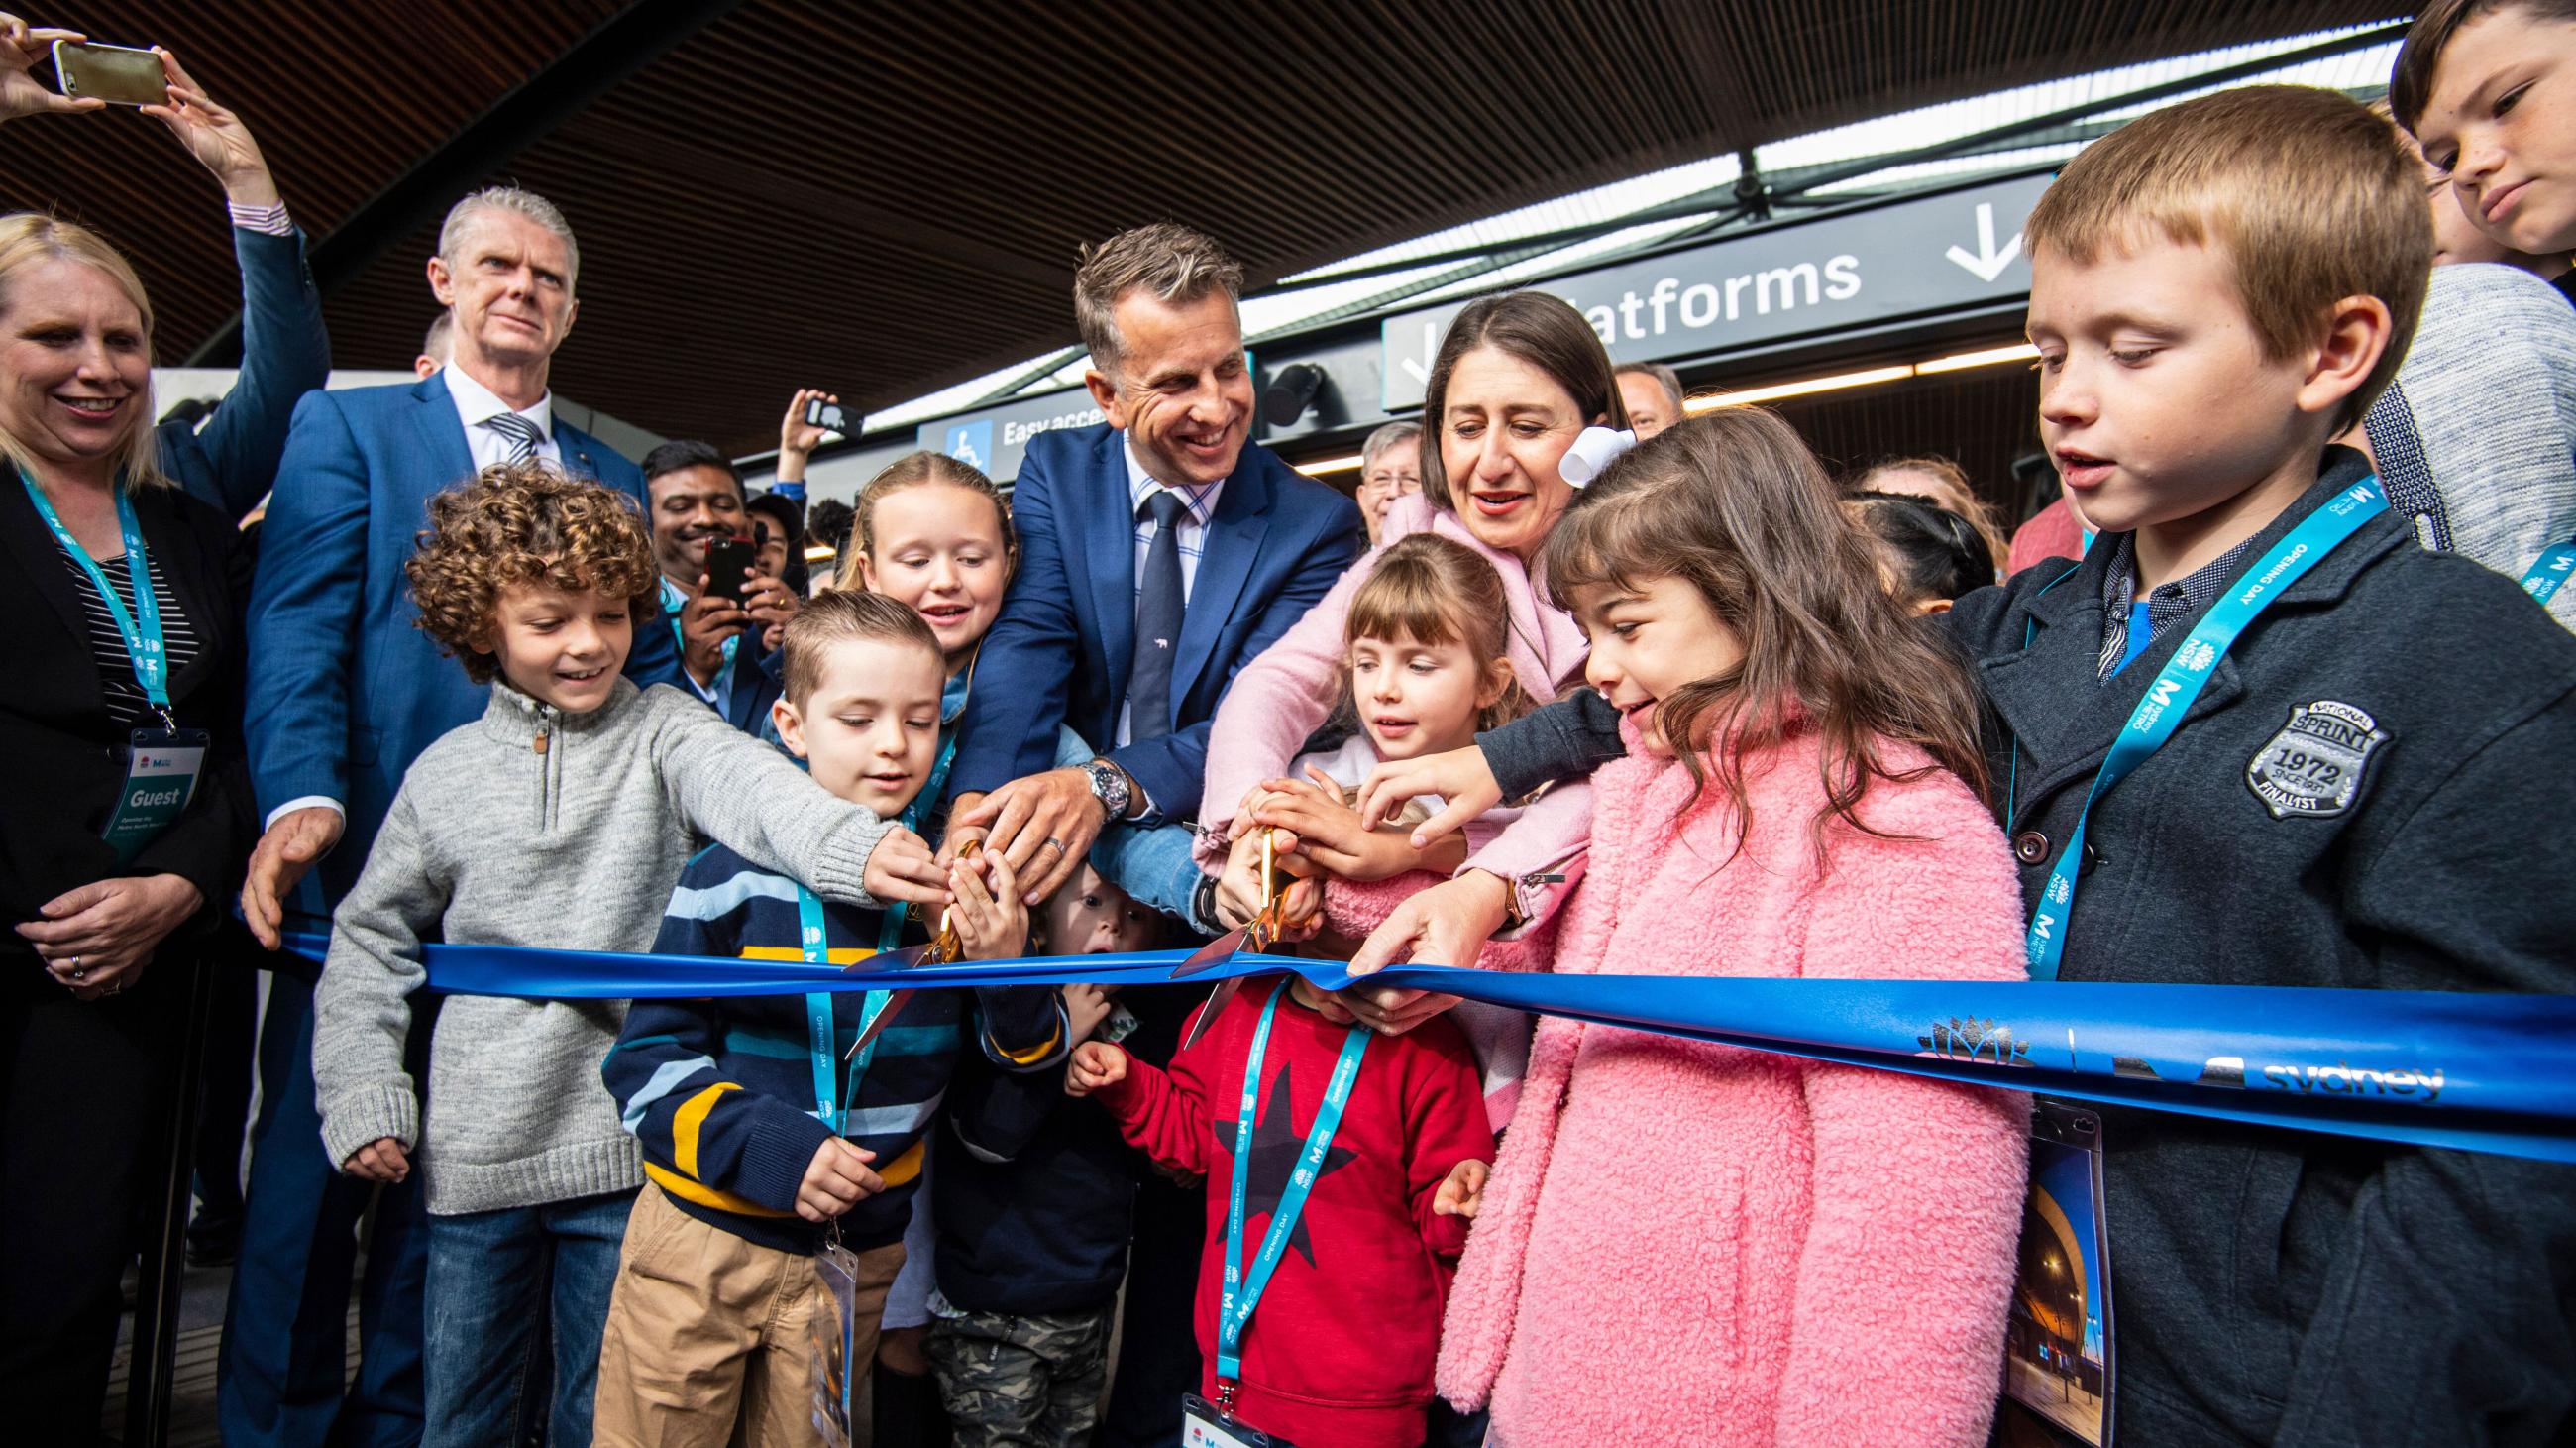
(2469, 1071)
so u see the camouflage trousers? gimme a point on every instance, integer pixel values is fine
(1011, 1381)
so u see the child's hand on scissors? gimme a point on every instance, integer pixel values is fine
(990, 921)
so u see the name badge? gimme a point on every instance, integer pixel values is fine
(161, 769)
(1202, 1426)
(831, 1338)
(2057, 1345)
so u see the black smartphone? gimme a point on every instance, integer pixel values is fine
(826, 415)
(729, 562)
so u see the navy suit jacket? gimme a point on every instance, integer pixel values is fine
(231, 461)
(344, 691)
(1061, 651)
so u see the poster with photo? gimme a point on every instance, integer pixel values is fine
(2057, 1346)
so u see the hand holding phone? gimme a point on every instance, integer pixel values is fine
(730, 562)
(827, 415)
(22, 48)
(121, 75)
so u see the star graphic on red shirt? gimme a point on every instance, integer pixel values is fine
(1276, 1145)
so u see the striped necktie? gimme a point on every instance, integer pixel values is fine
(521, 434)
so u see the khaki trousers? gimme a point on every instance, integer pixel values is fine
(710, 1338)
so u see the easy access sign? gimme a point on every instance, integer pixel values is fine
(994, 440)
(1958, 248)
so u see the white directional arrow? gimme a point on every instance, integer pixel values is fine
(1985, 262)
(1431, 340)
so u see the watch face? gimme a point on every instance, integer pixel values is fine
(1105, 785)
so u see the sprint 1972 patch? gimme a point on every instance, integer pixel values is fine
(2313, 767)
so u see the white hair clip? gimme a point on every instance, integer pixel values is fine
(1595, 450)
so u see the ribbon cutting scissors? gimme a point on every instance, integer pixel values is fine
(943, 948)
(1257, 935)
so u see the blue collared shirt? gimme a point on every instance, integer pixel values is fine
(1199, 500)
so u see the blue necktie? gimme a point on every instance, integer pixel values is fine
(1158, 622)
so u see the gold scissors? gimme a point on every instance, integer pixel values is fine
(1258, 934)
(943, 948)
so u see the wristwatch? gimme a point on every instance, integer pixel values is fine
(1109, 786)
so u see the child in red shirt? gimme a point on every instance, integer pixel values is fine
(1340, 1347)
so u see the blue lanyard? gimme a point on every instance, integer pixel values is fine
(819, 1025)
(143, 643)
(890, 934)
(812, 940)
(2160, 713)
(1243, 1293)
(2555, 563)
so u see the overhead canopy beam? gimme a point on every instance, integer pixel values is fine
(625, 43)
(1724, 204)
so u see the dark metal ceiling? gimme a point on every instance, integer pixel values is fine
(888, 198)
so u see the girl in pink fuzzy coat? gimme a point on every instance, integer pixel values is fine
(1692, 1242)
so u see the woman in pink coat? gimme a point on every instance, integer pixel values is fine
(1691, 1242)
(1517, 379)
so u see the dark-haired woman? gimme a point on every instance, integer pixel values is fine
(1517, 380)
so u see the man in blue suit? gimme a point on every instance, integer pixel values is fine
(1159, 552)
(344, 693)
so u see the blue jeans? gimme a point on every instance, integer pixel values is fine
(283, 1369)
(494, 1278)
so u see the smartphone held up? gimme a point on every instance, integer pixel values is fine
(121, 75)
(730, 562)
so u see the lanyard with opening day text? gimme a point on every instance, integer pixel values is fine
(2546, 575)
(812, 940)
(2160, 713)
(143, 641)
(1242, 1291)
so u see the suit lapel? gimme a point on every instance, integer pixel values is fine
(1231, 545)
(40, 561)
(579, 450)
(1107, 559)
(441, 432)
(185, 568)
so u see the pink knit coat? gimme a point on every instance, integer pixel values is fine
(1701, 1242)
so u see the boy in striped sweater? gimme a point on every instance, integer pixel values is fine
(760, 1125)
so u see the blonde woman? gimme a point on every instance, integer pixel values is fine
(129, 806)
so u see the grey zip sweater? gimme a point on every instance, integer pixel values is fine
(530, 826)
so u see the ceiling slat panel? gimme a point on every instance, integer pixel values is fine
(888, 198)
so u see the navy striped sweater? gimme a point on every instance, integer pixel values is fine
(721, 1092)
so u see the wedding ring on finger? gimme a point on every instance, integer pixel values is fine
(1055, 844)
(78, 970)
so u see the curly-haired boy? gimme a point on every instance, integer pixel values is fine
(560, 818)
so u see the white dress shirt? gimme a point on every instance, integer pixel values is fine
(475, 403)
